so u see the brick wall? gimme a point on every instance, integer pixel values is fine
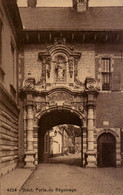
(86, 64)
(109, 108)
(109, 103)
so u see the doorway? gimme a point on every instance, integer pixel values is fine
(106, 150)
(47, 122)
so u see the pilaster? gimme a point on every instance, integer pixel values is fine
(28, 91)
(30, 154)
(91, 93)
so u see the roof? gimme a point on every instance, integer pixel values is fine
(12, 11)
(68, 19)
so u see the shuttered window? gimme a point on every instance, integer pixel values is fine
(116, 81)
(106, 74)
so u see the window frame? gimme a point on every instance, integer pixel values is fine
(106, 73)
(2, 73)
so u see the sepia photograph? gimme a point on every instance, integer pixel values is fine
(61, 97)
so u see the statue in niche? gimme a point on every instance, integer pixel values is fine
(60, 68)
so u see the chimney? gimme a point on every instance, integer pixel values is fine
(80, 5)
(31, 3)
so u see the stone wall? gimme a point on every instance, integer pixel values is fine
(8, 41)
(8, 96)
(8, 133)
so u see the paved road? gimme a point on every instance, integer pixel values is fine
(60, 176)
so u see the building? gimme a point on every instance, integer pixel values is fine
(70, 71)
(72, 74)
(78, 140)
(9, 110)
(67, 139)
(57, 141)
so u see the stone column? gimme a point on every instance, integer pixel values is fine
(91, 160)
(91, 91)
(28, 93)
(82, 128)
(30, 154)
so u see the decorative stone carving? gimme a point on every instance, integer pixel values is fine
(60, 40)
(76, 80)
(91, 84)
(72, 48)
(83, 111)
(48, 66)
(59, 96)
(60, 62)
(43, 76)
(49, 47)
(29, 83)
(39, 108)
(81, 108)
(71, 66)
(75, 67)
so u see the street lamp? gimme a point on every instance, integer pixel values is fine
(55, 133)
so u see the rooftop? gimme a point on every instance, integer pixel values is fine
(67, 19)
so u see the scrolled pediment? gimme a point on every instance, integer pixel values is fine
(63, 49)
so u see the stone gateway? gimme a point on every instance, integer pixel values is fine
(65, 68)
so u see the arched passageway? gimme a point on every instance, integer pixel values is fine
(106, 150)
(49, 120)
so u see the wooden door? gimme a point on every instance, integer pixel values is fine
(106, 150)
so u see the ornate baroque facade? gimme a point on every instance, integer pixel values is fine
(72, 76)
(70, 72)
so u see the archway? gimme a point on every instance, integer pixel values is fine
(54, 118)
(106, 150)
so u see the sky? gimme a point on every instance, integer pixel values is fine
(68, 3)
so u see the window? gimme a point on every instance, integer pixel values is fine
(106, 74)
(2, 73)
(13, 68)
(13, 59)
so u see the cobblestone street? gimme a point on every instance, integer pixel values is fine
(63, 175)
